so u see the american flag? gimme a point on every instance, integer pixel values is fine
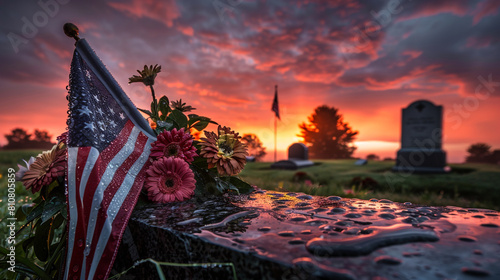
(108, 148)
(276, 108)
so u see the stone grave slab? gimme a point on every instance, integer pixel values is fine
(421, 139)
(298, 157)
(275, 235)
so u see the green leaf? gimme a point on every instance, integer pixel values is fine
(42, 240)
(201, 125)
(64, 213)
(35, 213)
(147, 112)
(205, 183)
(164, 106)
(51, 187)
(179, 118)
(26, 244)
(38, 199)
(22, 211)
(223, 185)
(241, 185)
(55, 204)
(165, 125)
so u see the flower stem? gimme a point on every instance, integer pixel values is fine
(153, 93)
(155, 106)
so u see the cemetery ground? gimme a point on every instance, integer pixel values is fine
(467, 185)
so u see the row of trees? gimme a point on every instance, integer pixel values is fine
(21, 139)
(326, 134)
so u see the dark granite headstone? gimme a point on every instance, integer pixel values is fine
(361, 162)
(421, 139)
(273, 235)
(298, 151)
(298, 156)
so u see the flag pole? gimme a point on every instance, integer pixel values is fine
(275, 135)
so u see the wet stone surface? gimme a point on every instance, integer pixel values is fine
(312, 238)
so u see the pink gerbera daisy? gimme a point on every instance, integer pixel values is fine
(169, 179)
(174, 143)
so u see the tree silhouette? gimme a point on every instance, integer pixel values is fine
(20, 139)
(372, 157)
(479, 152)
(41, 136)
(255, 147)
(327, 135)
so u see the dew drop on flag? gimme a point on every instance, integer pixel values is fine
(108, 148)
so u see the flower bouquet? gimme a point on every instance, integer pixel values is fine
(181, 165)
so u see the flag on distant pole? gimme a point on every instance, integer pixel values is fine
(108, 148)
(276, 108)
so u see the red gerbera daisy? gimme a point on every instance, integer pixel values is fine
(169, 179)
(174, 143)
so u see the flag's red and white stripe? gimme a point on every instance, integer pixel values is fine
(102, 191)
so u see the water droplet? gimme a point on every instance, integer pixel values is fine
(387, 216)
(467, 238)
(337, 210)
(296, 241)
(388, 260)
(491, 225)
(286, 233)
(474, 271)
(315, 222)
(80, 243)
(86, 252)
(352, 215)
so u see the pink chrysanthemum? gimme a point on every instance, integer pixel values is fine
(169, 179)
(174, 143)
(45, 169)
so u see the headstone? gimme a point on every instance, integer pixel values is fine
(298, 157)
(250, 158)
(361, 162)
(275, 235)
(298, 151)
(421, 139)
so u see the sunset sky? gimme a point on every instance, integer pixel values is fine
(367, 58)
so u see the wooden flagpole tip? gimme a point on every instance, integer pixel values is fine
(71, 30)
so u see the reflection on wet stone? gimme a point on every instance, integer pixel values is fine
(269, 235)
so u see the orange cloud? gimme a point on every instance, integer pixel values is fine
(163, 11)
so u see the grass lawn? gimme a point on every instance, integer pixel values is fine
(467, 185)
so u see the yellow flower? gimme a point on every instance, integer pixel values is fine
(147, 76)
(224, 150)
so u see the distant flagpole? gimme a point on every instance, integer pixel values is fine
(276, 109)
